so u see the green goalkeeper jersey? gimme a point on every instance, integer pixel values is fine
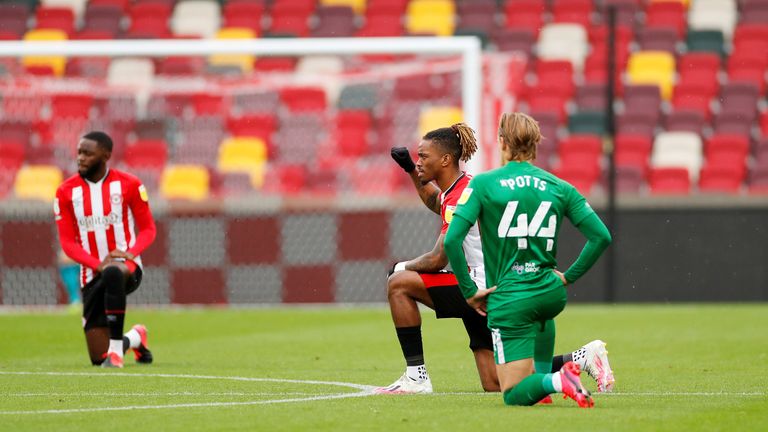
(520, 208)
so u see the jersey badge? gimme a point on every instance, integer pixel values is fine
(449, 213)
(143, 193)
(465, 194)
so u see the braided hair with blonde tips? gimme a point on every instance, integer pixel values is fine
(457, 140)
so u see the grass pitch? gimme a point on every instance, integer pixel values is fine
(689, 367)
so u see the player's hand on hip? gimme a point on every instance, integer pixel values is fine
(561, 276)
(479, 302)
(403, 158)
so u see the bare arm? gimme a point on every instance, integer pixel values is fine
(430, 262)
(429, 193)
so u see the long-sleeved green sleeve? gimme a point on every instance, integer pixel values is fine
(598, 239)
(454, 238)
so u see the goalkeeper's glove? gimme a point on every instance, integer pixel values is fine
(403, 158)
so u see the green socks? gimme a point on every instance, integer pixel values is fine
(530, 390)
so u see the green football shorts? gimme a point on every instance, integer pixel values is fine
(514, 320)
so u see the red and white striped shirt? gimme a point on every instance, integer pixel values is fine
(95, 219)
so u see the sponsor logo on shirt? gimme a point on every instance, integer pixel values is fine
(92, 223)
(529, 267)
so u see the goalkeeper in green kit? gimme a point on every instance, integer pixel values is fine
(519, 209)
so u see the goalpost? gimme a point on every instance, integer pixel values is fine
(469, 48)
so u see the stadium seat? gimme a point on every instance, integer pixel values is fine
(244, 14)
(764, 123)
(652, 67)
(477, 15)
(645, 98)
(685, 120)
(525, 15)
(738, 122)
(208, 104)
(720, 15)
(255, 126)
(15, 130)
(591, 97)
(13, 19)
(728, 142)
(353, 129)
(626, 11)
(381, 22)
(358, 6)
(678, 149)
(581, 144)
(669, 181)
(706, 41)
(587, 122)
(103, 18)
(11, 154)
(658, 39)
(373, 178)
(741, 95)
(438, 117)
(358, 96)
(201, 18)
(582, 176)
(243, 155)
(564, 42)
(522, 40)
(667, 14)
(242, 61)
(334, 21)
(434, 17)
(303, 99)
(180, 66)
(149, 20)
(131, 72)
(573, 12)
(37, 182)
(185, 182)
(692, 97)
(633, 151)
(721, 179)
(55, 18)
(291, 17)
(57, 64)
(146, 154)
(629, 179)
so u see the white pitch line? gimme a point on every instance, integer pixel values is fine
(92, 394)
(364, 390)
(735, 394)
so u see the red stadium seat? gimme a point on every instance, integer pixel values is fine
(150, 19)
(60, 18)
(353, 128)
(368, 179)
(257, 126)
(208, 104)
(573, 11)
(591, 145)
(692, 97)
(667, 14)
(727, 142)
(13, 20)
(71, 106)
(303, 99)
(381, 23)
(180, 66)
(583, 176)
(721, 179)
(146, 154)
(291, 17)
(275, 64)
(670, 181)
(334, 21)
(244, 14)
(11, 155)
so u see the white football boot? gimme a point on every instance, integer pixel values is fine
(597, 366)
(406, 385)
